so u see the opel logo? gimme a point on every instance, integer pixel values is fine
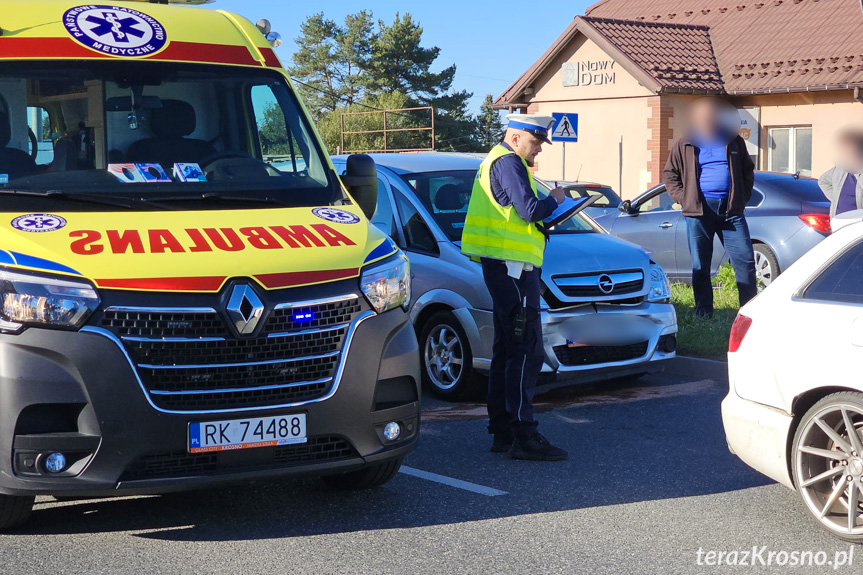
(245, 309)
(606, 284)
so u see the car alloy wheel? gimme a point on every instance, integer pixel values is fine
(828, 465)
(444, 357)
(766, 266)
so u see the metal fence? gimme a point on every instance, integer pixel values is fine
(401, 130)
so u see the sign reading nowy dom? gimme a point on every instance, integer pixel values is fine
(589, 73)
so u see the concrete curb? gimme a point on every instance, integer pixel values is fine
(697, 367)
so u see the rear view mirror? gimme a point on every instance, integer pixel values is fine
(361, 180)
(124, 103)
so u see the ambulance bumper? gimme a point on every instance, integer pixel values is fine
(78, 393)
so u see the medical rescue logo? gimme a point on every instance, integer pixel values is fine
(336, 216)
(39, 223)
(115, 30)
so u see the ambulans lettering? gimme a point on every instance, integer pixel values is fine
(115, 30)
(86, 246)
(193, 240)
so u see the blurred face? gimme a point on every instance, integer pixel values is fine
(712, 118)
(525, 145)
(851, 152)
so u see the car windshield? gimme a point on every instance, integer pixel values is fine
(446, 196)
(158, 131)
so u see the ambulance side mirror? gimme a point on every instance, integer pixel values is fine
(361, 180)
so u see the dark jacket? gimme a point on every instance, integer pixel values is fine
(680, 176)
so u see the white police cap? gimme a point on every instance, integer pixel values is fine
(535, 124)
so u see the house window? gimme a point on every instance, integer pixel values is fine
(789, 150)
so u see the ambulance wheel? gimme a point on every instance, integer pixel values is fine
(447, 360)
(365, 478)
(14, 511)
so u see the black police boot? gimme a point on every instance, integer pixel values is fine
(502, 443)
(535, 447)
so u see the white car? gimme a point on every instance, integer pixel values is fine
(794, 410)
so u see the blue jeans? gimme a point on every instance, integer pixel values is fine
(733, 232)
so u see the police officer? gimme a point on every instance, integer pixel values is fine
(502, 229)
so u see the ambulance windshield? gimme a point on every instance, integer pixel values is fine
(148, 129)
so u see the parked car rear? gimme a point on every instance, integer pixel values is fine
(606, 204)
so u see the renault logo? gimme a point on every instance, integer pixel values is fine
(606, 284)
(245, 309)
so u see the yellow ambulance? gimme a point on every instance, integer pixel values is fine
(191, 295)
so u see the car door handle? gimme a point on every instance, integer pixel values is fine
(666, 225)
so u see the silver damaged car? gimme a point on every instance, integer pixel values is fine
(605, 303)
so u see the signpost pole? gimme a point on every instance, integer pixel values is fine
(563, 160)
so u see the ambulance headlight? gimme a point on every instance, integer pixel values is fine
(388, 285)
(660, 291)
(43, 301)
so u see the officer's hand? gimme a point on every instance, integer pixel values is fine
(558, 194)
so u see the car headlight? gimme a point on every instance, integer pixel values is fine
(388, 285)
(660, 291)
(43, 301)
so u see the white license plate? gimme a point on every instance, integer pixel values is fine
(247, 433)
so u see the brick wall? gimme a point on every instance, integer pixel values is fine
(661, 136)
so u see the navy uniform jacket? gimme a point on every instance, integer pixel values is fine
(510, 186)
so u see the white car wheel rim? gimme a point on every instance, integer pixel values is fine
(829, 468)
(763, 269)
(444, 357)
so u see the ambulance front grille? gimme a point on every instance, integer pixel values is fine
(188, 360)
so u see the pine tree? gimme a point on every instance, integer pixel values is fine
(489, 126)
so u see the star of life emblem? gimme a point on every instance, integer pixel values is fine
(39, 223)
(115, 30)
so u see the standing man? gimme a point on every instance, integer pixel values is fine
(502, 230)
(709, 172)
(843, 183)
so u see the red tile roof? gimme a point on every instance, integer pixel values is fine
(765, 45)
(736, 46)
(678, 56)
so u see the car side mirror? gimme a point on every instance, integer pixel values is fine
(361, 180)
(626, 207)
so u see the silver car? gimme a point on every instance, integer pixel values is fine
(605, 303)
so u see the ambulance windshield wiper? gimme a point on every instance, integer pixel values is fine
(102, 199)
(217, 197)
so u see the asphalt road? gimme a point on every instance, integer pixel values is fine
(648, 484)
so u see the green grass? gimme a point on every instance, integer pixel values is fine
(699, 337)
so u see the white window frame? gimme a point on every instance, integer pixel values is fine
(792, 147)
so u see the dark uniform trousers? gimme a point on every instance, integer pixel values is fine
(515, 365)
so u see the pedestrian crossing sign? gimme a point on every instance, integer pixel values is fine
(565, 128)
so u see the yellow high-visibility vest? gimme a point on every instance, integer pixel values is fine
(495, 231)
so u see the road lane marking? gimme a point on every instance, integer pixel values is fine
(457, 483)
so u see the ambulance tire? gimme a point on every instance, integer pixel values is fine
(365, 478)
(14, 511)
(447, 360)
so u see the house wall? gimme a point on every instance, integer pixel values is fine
(614, 119)
(826, 112)
(626, 131)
